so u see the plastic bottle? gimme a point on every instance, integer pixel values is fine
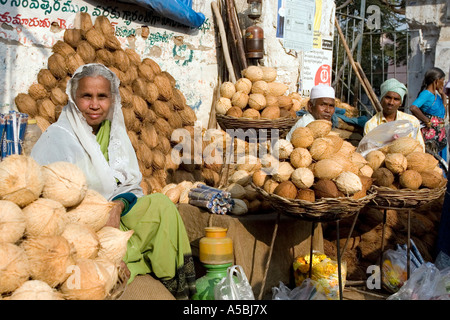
(32, 134)
(206, 284)
(216, 248)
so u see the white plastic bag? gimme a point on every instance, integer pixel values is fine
(234, 286)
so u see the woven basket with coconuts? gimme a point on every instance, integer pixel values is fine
(258, 101)
(325, 209)
(404, 198)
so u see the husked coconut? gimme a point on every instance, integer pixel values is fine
(358, 160)
(251, 113)
(306, 195)
(257, 101)
(396, 162)
(327, 169)
(303, 178)
(249, 163)
(270, 185)
(269, 74)
(432, 179)
(253, 73)
(36, 290)
(326, 188)
(93, 210)
(320, 128)
(347, 148)
(366, 171)
(44, 217)
(223, 105)
(300, 157)
(375, 159)
(383, 177)
(403, 145)
(336, 141)
(286, 189)
(283, 173)
(83, 239)
(282, 149)
(12, 222)
(49, 257)
(113, 243)
(348, 183)
(14, 267)
(276, 89)
(227, 89)
(242, 177)
(89, 281)
(410, 179)
(302, 137)
(321, 148)
(260, 87)
(244, 85)
(259, 178)
(421, 161)
(22, 179)
(240, 99)
(270, 112)
(64, 182)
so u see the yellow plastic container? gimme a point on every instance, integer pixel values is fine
(216, 247)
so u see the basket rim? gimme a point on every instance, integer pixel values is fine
(234, 122)
(335, 208)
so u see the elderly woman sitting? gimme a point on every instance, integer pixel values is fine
(91, 133)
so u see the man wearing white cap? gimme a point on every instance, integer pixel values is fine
(321, 105)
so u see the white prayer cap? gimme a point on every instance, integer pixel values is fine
(322, 91)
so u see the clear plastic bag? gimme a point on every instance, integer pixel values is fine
(383, 135)
(306, 291)
(234, 286)
(394, 271)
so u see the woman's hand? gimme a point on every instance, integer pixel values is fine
(114, 214)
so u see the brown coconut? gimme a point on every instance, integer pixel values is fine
(47, 109)
(327, 169)
(72, 37)
(383, 177)
(121, 60)
(269, 74)
(321, 148)
(112, 43)
(26, 104)
(57, 65)
(276, 89)
(302, 137)
(244, 85)
(257, 101)
(432, 179)
(234, 112)
(95, 38)
(259, 178)
(103, 25)
(47, 79)
(227, 89)
(320, 128)
(37, 92)
(396, 162)
(58, 96)
(325, 188)
(84, 23)
(253, 73)
(260, 87)
(134, 57)
(14, 267)
(157, 69)
(145, 71)
(271, 101)
(105, 57)
(375, 159)
(73, 62)
(284, 102)
(164, 87)
(63, 48)
(421, 161)
(272, 112)
(286, 189)
(251, 113)
(270, 185)
(86, 52)
(306, 195)
(240, 99)
(403, 145)
(300, 157)
(410, 179)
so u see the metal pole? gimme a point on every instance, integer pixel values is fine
(313, 225)
(339, 259)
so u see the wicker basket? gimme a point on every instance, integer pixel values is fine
(283, 124)
(324, 209)
(404, 198)
(119, 288)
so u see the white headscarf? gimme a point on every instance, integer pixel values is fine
(71, 139)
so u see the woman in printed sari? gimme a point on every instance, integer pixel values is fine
(91, 133)
(430, 110)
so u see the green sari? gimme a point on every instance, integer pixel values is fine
(159, 245)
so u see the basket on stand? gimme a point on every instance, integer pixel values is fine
(282, 124)
(404, 198)
(324, 209)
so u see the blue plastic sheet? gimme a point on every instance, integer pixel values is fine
(177, 10)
